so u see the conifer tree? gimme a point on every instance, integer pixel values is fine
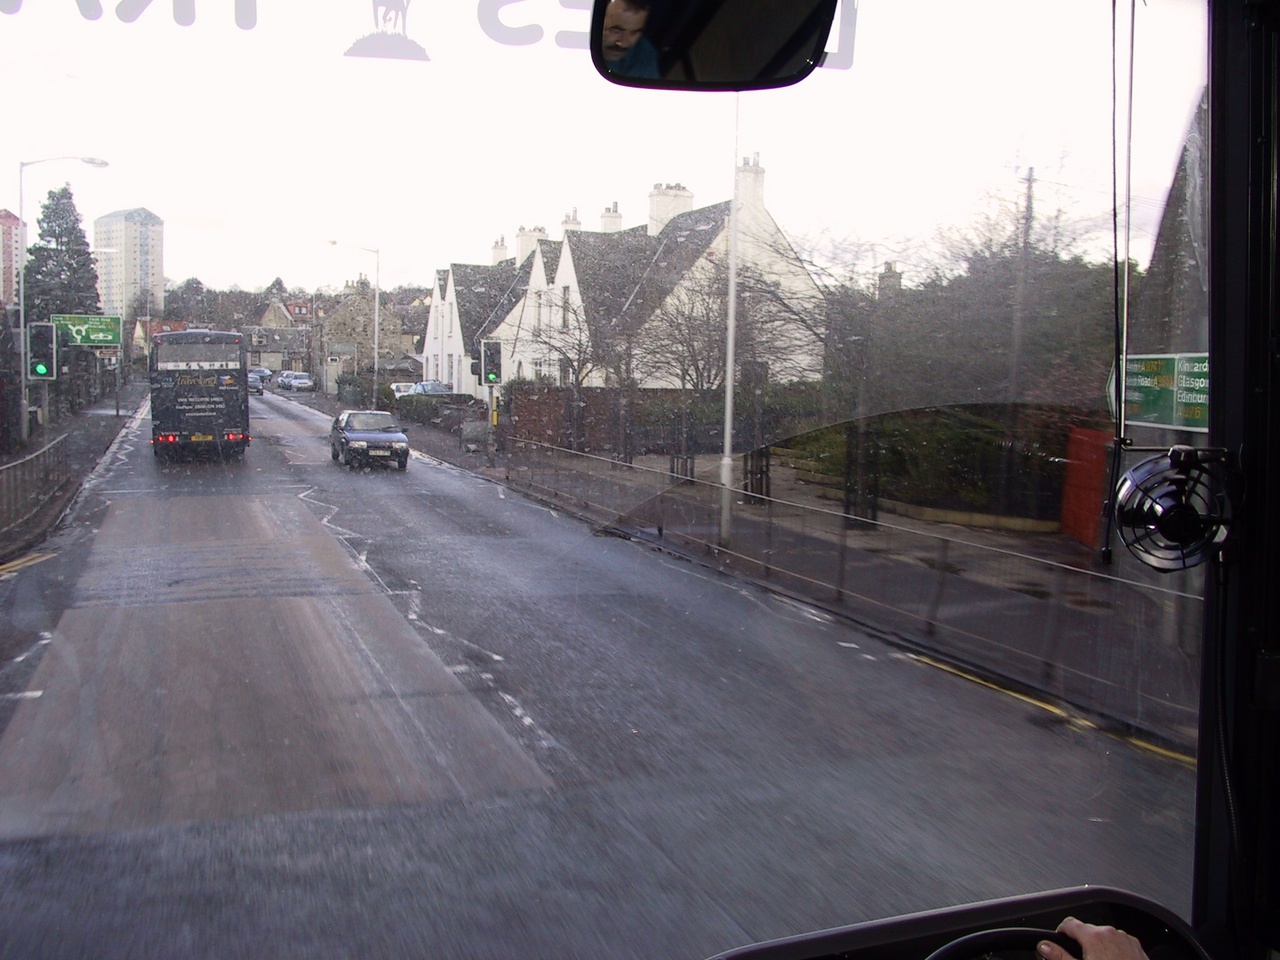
(60, 274)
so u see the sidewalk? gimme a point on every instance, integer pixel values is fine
(88, 434)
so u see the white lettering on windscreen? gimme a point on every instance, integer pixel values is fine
(488, 12)
(511, 35)
(127, 11)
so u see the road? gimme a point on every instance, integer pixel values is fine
(284, 708)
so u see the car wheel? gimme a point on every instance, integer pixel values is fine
(333, 451)
(404, 463)
(346, 457)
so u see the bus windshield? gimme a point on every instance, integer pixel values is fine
(756, 573)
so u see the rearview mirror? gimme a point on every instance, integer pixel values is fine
(709, 44)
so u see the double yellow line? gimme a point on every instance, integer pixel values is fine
(13, 566)
(1076, 721)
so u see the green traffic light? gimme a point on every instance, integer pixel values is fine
(41, 369)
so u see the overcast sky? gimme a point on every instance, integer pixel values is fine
(257, 146)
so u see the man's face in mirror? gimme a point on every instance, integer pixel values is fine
(623, 26)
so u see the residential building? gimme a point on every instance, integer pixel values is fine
(648, 304)
(129, 251)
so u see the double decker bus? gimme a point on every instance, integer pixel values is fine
(199, 393)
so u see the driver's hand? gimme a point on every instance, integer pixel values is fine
(1097, 943)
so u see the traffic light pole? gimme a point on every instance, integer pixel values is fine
(489, 434)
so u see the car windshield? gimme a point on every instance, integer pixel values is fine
(754, 579)
(372, 421)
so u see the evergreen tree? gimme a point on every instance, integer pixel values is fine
(60, 274)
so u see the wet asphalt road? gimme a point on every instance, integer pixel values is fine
(282, 708)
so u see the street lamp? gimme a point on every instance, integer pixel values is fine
(377, 270)
(726, 458)
(25, 431)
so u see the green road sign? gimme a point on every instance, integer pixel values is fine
(1167, 390)
(87, 331)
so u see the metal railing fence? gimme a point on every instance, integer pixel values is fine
(1120, 648)
(26, 484)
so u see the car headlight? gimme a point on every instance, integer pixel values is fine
(358, 445)
(399, 446)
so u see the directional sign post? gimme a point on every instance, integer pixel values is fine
(94, 331)
(1169, 390)
(89, 331)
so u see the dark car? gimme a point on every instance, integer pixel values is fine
(263, 372)
(255, 384)
(364, 437)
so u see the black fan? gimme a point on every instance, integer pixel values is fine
(1174, 510)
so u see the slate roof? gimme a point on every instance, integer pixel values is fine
(486, 294)
(550, 258)
(624, 276)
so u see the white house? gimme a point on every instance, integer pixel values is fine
(596, 306)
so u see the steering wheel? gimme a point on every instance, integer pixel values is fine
(1002, 938)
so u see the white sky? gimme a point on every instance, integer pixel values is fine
(257, 146)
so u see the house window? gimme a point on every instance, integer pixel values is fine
(448, 366)
(564, 306)
(565, 371)
(537, 312)
(537, 369)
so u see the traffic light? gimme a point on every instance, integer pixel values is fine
(491, 362)
(42, 351)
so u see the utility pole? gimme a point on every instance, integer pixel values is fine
(1020, 293)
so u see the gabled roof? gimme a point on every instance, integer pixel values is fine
(276, 316)
(624, 276)
(486, 294)
(550, 258)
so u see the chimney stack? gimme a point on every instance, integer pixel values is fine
(751, 182)
(499, 250)
(667, 201)
(527, 240)
(611, 219)
(571, 222)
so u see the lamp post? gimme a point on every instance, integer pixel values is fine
(25, 430)
(726, 459)
(377, 292)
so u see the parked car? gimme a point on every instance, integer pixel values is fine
(427, 388)
(255, 384)
(263, 372)
(284, 379)
(302, 381)
(400, 389)
(365, 437)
